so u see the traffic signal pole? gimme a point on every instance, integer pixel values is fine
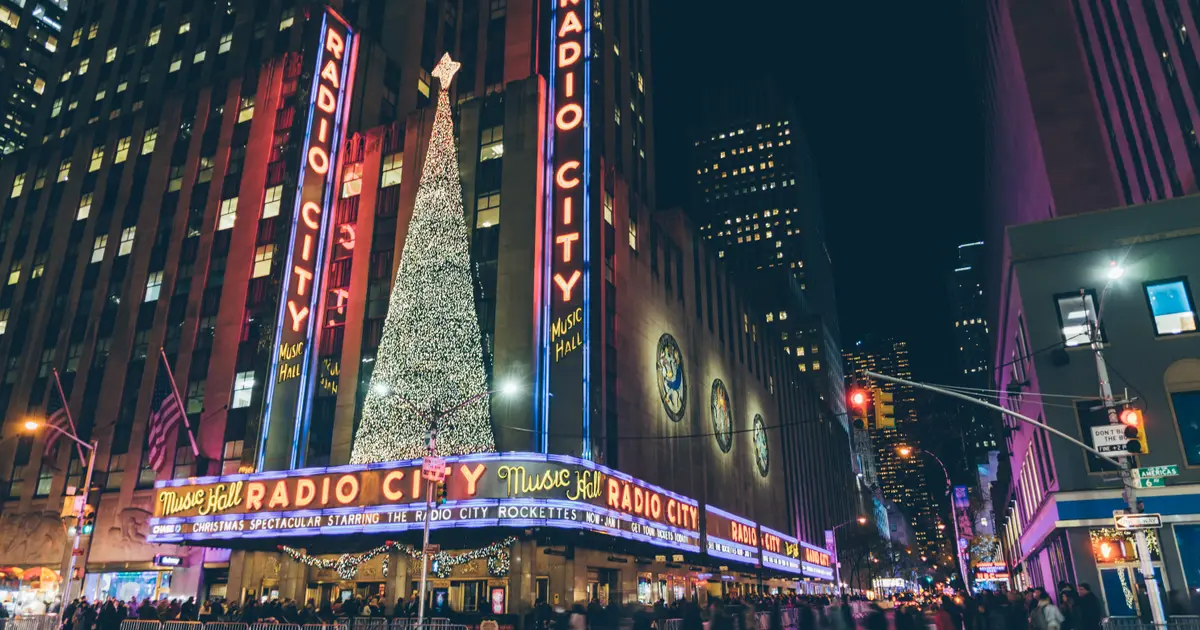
(1130, 490)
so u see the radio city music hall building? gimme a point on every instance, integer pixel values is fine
(661, 447)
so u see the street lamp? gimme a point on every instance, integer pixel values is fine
(508, 388)
(34, 425)
(906, 451)
(837, 561)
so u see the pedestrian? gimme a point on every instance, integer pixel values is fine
(1046, 616)
(1088, 612)
(147, 611)
(108, 617)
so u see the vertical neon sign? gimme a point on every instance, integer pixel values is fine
(564, 365)
(286, 408)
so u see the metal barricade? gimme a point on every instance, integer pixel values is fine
(368, 623)
(31, 622)
(274, 626)
(182, 625)
(224, 625)
(138, 624)
(1175, 622)
(672, 624)
(325, 626)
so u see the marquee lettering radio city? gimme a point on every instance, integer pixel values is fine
(485, 490)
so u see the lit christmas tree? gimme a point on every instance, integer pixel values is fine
(430, 359)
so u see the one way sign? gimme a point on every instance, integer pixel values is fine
(1138, 521)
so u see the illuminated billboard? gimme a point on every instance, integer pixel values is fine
(485, 490)
(730, 536)
(564, 278)
(292, 372)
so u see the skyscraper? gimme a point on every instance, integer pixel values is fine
(30, 33)
(756, 199)
(902, 481)
(972, 336)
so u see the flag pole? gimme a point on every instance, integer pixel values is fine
(179, 400)
(67, 409)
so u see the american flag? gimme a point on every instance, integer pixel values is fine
(165, 413)
(56, 418)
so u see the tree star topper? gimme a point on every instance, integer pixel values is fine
(445, 70)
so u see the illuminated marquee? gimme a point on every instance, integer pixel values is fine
(285, 413)
(730, 536)
(780, 551)
(816, 562)
(566, 246)
(486, 490)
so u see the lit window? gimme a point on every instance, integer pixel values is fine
(93, 30)
(83, 67)
(782, 315)
(1075, 312)
(272, 201)
(3, 321)
(148, 140)
(175, 178)
(39, 85)
(262, 261)
(393, 166)
(201, 54)
(64, 169)
(126, 245)
(607, 201)
(487, 211)
(816, 365)
(228, 213)
(75, 36)
(122, 86)
(633, 236)
(153, 286)
(122, 149)
(40, 179)
(56, 108)
(85, 206)
(245, 109)
(155, 32)
(185, 26)
(39, 265)
(98, 246)
(225, 44)
(14, 273)
(206, 169)
(1171, 305)
(18, 184)
(100, 95)
(176, 62)
(111, 55)
(243, 386)
(352, 180)
(491, 143)
(287, 18)
(97, 159)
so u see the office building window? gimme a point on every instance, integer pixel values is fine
(64, 169)
(97, 156)
(127, 236)
(148, 140)
(228, 213)
(243, 386)
(153, 286)
(122, 149)
(352, 180)
(14, 273)
(393, 165)
(155, 33)
(3, 320)
(18, 184)
(287, 18)
(98, 246)
(245, 109)
(262, 260)
(85, 206)
(487, 211)
(231, 458)
(1170, 304)
(491, 143)
(272, 201)
(225, 44)
(1076, 314)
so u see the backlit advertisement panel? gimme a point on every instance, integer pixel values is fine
(730, 536)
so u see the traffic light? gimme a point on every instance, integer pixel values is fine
(858, 407)
(1135, 430)
(885, 412)
(89, 521)
(441, 493)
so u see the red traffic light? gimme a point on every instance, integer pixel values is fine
(1131, 417)
(858, 399)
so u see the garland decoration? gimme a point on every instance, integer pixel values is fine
(499, 559)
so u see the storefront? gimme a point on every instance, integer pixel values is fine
(129, 585)
(570, 529)
(28, 590)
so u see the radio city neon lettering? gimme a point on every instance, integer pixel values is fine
(819, 558)
(568, 179)
(772, 543)
(744, 534)
(633, 499)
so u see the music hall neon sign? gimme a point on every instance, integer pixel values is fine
(566, 245)
(285, 412)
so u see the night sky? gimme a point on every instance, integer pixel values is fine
(889, 96)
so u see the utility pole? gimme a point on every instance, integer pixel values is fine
(1130, 489)
(425, 536)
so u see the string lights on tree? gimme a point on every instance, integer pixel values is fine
(499, 559)
(430, 357)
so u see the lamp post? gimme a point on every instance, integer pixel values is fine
(837, 560)
(906, 451)
(33, 425)
(433, 418)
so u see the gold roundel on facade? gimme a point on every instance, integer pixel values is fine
(672, 382)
